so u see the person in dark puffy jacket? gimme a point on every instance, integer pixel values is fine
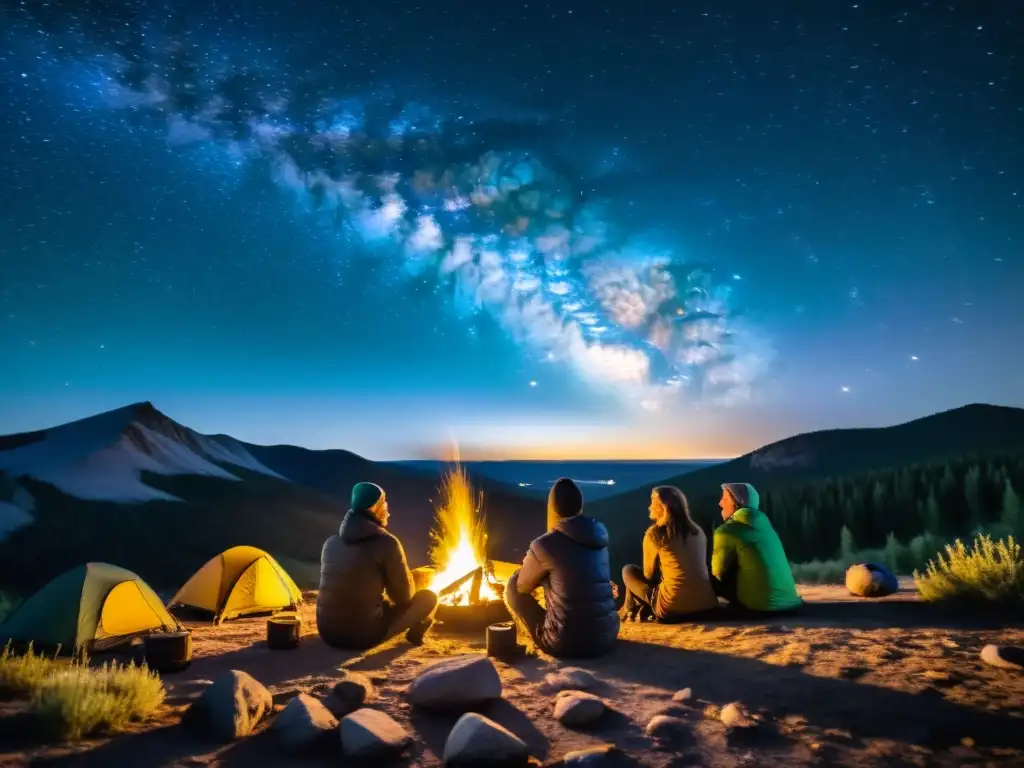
(571, 563)
(358, 565)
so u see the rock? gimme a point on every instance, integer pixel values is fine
(458, 684)
(665, 727)
(350, 693)
(304, 723)
(572, 677)
(576, 708)
(477, 741)
(232, 705)
(594, 757)
(734, 715)
(1004, 656)
(369, 735)
(682, 696)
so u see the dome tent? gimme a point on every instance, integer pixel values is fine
(238, 581)
(92, 607)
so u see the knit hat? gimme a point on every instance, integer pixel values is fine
(565, 499)
(744, 494)
(366, 496)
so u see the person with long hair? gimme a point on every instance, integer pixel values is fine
(674, 582)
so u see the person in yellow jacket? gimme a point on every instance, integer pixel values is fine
(674, 583)
(749, 564)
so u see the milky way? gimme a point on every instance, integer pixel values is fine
(475, 202)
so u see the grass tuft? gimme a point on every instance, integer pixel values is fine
(71, 700)
(989, 573)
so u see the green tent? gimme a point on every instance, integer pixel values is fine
(95, 606)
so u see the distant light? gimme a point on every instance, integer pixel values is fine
(533, 383)
(844, 389)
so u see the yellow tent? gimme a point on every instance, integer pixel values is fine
(238, 581)
(95, 606)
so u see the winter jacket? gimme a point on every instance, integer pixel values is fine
(571, 563)
(680, 569)
(749, 554)
(358, 565)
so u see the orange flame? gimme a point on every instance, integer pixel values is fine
(459, 540)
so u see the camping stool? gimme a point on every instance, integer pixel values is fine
(283, 631)
(501, 642)
(168, 652)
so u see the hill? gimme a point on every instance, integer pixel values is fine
(963, 432)
(134, 487)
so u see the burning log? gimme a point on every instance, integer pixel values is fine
(456, 585)
(474, 590)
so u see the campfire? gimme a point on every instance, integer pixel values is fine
(464, 579)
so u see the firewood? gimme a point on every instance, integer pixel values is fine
(283, 632)
(168, 651)
(456, 585)
(474, 591)
(501, 641)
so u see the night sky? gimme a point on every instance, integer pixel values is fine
(593, 229)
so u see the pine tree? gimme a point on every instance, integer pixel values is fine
(972, 495)
(847, 547)
(1010, 516)
(933, 515)
(892, 552)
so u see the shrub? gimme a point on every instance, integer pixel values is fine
(71, 700)
(22, 675)
(989, 573)
(81, 701)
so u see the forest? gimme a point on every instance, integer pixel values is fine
(902, 516)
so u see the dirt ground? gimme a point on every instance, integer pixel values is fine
(847, 682)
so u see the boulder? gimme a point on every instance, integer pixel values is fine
(871, 580)
(372, 736)
(665, 727)
(575, 678)
(350, 693)
(231, 706)
(457, 684)
(734, 715)
(577, 708)
(476, 742)
(1004, 656)
(683, 696)
(603, 756)
(304, 723)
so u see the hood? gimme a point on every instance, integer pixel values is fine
(584, 530)
(359, 526)
(755, 518)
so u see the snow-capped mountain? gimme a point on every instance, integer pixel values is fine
(102, 457)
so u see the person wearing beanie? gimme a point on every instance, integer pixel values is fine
(749, 567)
(366, 588)
(570, 563)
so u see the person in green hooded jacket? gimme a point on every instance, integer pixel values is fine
(749, 566)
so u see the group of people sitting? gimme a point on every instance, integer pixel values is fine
(367, 592)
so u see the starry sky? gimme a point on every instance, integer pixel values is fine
(615, 230)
